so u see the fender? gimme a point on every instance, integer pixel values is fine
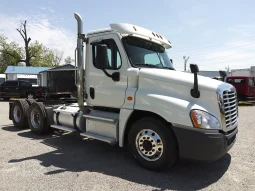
(173, 110)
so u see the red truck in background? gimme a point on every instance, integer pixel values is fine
(245, 87)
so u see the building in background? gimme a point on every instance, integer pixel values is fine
(59, 79)
(30, 73)
(243, 72)
(211, 74)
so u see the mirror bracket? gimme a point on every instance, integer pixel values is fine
(195, 92)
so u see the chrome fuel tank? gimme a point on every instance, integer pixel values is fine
(69, 116)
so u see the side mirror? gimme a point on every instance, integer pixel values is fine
(194, 68)
(171, 60)
(223, 74)
(101, 56)
(194, 92)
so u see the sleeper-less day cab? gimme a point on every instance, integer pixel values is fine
(131, 95)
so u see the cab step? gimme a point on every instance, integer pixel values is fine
(99, 137)
(64, 128)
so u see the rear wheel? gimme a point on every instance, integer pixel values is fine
(37, 119)
(152, 144)
(19, 109)
(30, 101)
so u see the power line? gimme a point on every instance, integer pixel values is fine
(225, 56)
(225, 61)
(217, 45)
(194, 55)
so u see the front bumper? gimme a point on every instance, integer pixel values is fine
(204, 145)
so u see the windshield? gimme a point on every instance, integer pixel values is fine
(143, 53)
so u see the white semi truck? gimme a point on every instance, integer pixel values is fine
(129, 94)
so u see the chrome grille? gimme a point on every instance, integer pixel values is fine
(230, 108)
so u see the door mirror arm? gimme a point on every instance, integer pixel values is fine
(115, 76)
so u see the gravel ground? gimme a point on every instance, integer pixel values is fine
(66, 162)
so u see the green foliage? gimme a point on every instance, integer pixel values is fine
(43, 56)
(69, 60)
(11, 54)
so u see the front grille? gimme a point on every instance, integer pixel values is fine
(230, 108)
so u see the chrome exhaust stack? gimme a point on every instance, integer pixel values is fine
(80, 60)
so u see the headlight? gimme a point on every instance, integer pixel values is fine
(204, 120)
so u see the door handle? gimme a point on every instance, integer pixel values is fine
(92, 92)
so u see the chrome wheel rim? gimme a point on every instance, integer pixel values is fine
(30, 96)
(35, 118)
(17, 114)
(149, 145)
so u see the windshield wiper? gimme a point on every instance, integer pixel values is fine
(148, 65)
(165, 67)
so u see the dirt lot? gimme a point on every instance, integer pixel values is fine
(66, 162)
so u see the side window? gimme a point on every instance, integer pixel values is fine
(251, 82)
(24, 84)
(114, 59)
(10, 83)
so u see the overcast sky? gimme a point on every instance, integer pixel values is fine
(214, 34)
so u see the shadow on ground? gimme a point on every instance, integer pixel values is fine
(246, 103)
(76, 155)
(11, 128)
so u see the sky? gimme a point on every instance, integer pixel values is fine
(214, 34)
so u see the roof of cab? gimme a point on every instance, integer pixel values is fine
(129, 29)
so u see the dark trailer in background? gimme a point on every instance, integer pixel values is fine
(59, 82)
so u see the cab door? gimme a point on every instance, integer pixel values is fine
(101, 89)
(251, 87)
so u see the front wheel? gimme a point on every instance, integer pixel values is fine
(152, 144)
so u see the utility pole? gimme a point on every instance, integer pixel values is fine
(185, 62)
(228, 69)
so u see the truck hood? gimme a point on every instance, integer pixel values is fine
(177, 77)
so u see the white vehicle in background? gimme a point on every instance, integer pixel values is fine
(130, 95)
(2, 78)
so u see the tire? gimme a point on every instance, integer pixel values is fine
(30, 95)
(30, 101)
(36, 111)
(151, 155)
(18, 112)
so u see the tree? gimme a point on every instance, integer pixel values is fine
(68, 60)
(54, 57)
(23, 32)
(44, 56)
(10, 54)
(33, 54)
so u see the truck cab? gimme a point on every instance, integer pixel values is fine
(245, 87)
(131, 95)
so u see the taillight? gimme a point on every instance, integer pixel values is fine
(41, 90)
